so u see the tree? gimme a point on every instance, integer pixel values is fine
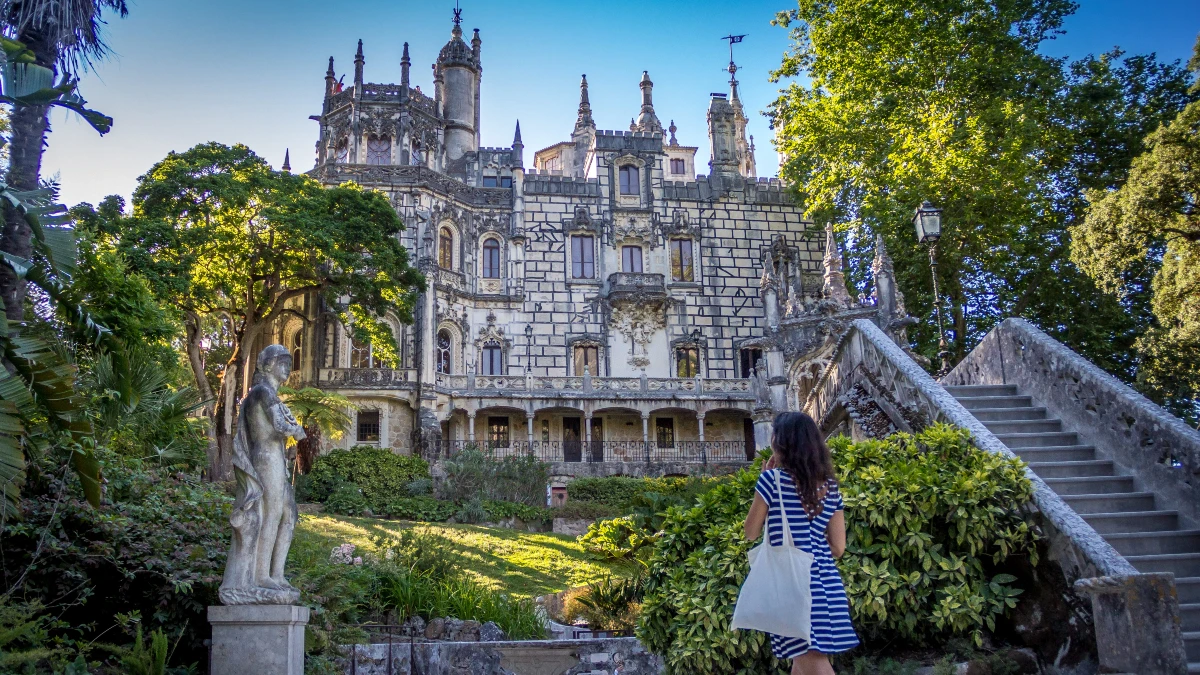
(322, 414)
(225, 240)
(62, 38)
(952, 102)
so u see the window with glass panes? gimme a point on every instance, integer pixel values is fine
(493, 359)
(583, 257)
(631, 259)
(444, 355)
(687, 361)
(360, 354)
(587, 357)
(379, 150)
(498, 432)
(491, 259)
(368, 426)
(677, 166)
(446, 249)
(629, 180)
(682, 267)
(664, 432)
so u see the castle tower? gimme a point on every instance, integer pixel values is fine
(731, 151)
(457, 76)
(745, 150)
(584, 120)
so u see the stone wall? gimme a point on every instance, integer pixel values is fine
(1141, 438)
(607, 656)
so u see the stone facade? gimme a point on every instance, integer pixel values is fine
(608, 297)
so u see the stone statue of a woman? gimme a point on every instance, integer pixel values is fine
(264, 511)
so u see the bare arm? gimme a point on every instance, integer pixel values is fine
(756, 518)
(835, 534)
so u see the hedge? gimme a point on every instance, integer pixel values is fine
(378, 473)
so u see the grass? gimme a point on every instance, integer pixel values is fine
(522, 564)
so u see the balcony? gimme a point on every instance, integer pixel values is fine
(613, 387)
(366, 378)
(636, 287)
(685, 452)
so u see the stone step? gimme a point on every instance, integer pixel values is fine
(1188, 589)
(1154, 543)
(1136, 521)
(1179, 564)
(1091, 486)
(1057, 453)
(975, 390)
(1024, 426)
(1111, 503)
(1189, 615)
(1091, 467)
(1014, 441)
(1191, 642)
(1193, 668)
(986, 415)
(976, 402)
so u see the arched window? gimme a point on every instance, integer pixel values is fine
(629, 180)
(379, 150)
(445, 358)
(360, 355)
(446, 249)
(342, 153)
(491, 259)
(493, 359)
(297, 342)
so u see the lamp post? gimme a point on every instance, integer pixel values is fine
(928, 222)
(528, 343)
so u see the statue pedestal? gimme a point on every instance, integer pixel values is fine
(259, 639)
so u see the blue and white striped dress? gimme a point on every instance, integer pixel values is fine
(832, 631)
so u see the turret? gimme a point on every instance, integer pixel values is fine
(584, 119)
(457, 78)
(835, 281)
(358, 70)
(287, 161)
(647, 120)
(405, 63)
(722, 136)
(518, 148)
(330, 79)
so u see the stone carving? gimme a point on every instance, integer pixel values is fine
(264, 512)
(638, 323)
(492, 333)
(634, 232)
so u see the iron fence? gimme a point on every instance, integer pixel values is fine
(652, 452)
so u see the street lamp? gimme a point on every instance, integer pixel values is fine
(528, 342)
(928, 222)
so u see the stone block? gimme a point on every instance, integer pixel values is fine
(1137, 623)
(260, 639)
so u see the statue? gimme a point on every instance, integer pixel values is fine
(264, 512)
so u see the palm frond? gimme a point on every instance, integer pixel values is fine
(75, 26)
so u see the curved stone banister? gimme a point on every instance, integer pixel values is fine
(866, 354)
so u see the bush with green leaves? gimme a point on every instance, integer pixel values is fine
(474, 472)
(931, 523)
(622, 492)
(378, 473)
(613, 603)
(584, 510)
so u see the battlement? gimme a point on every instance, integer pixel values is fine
(631, 134)
(756, 191)
(551, 184)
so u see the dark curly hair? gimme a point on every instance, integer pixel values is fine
(804, 456)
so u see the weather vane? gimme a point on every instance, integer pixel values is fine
(458, 14)
(733, 40)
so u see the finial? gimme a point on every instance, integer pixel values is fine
(329, 72)
(287, 161)
(584, 118)
(359, 55)
(457, 30)
(517, 135)
(882, 265)
(405, 63)
(672, 129)
(646, 78)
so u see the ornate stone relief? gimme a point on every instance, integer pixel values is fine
(492, 333)
(638, 322)
(634, 230)
(682, 225)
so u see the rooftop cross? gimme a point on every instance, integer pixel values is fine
(457, 13)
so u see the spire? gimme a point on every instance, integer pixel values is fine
(457, 30)
(733, 83)
(584, 119)
(518, 148)
(882, 265)
(672, 129)
(287, 161)
(517, 136)
(358, 69)
(475, 42)
(404, 65)
(835, 281)
(647, 120)
(330, 79)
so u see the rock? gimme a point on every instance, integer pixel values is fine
(469, 631)
(435, 629)
(490, 632)
(1025, 659)
(453, 630)
(414, 626)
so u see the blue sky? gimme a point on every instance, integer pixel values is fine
(251, 71)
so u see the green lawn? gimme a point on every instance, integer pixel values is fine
(524, 564)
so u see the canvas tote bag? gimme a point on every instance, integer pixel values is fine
(776, 596)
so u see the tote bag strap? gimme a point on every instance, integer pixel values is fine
(787, 527)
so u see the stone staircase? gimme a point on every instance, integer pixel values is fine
(1150, 538)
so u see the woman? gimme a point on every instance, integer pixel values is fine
(814, 511)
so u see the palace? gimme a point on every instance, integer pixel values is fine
(605, 304)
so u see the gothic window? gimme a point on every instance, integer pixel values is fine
(493, 359)
(342, 153)
(297, 342)
(682, 267)
(629, 180)
(497, 181)
(446, 249)
(583, 257)
(379, 150)
(360, 355)
(631, 259)
(587, 357)
(368, 426)
(491, 259)
(750, 357)
(445, 355)
(664, 431)
(687, 361)
(497, 432)
(677, 166)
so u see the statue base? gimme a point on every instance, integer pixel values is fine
(259, 596)
(259, 639)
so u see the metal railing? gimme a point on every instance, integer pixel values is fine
(652, 452)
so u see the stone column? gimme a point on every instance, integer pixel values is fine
(771, 302)
(529, 427)
(259, 639)
(471, 426)
(763, 418)
(703, 445)
(1137, 623)
(646, 431)
(587, 426)
(777, 380)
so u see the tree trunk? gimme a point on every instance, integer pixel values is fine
(29, 126)
(220, 466)
(196, 360)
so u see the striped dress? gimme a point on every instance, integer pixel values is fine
(831, 628)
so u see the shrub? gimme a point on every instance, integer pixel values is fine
(408, 593)
(929, 517)
(346, 499)
(622, 492)
(616, 538)
(379, 473)
(584, 510)
(498, 510)
(472, 511)
(473, 472)
(420, 551)
(423, 509)
(609, 604)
